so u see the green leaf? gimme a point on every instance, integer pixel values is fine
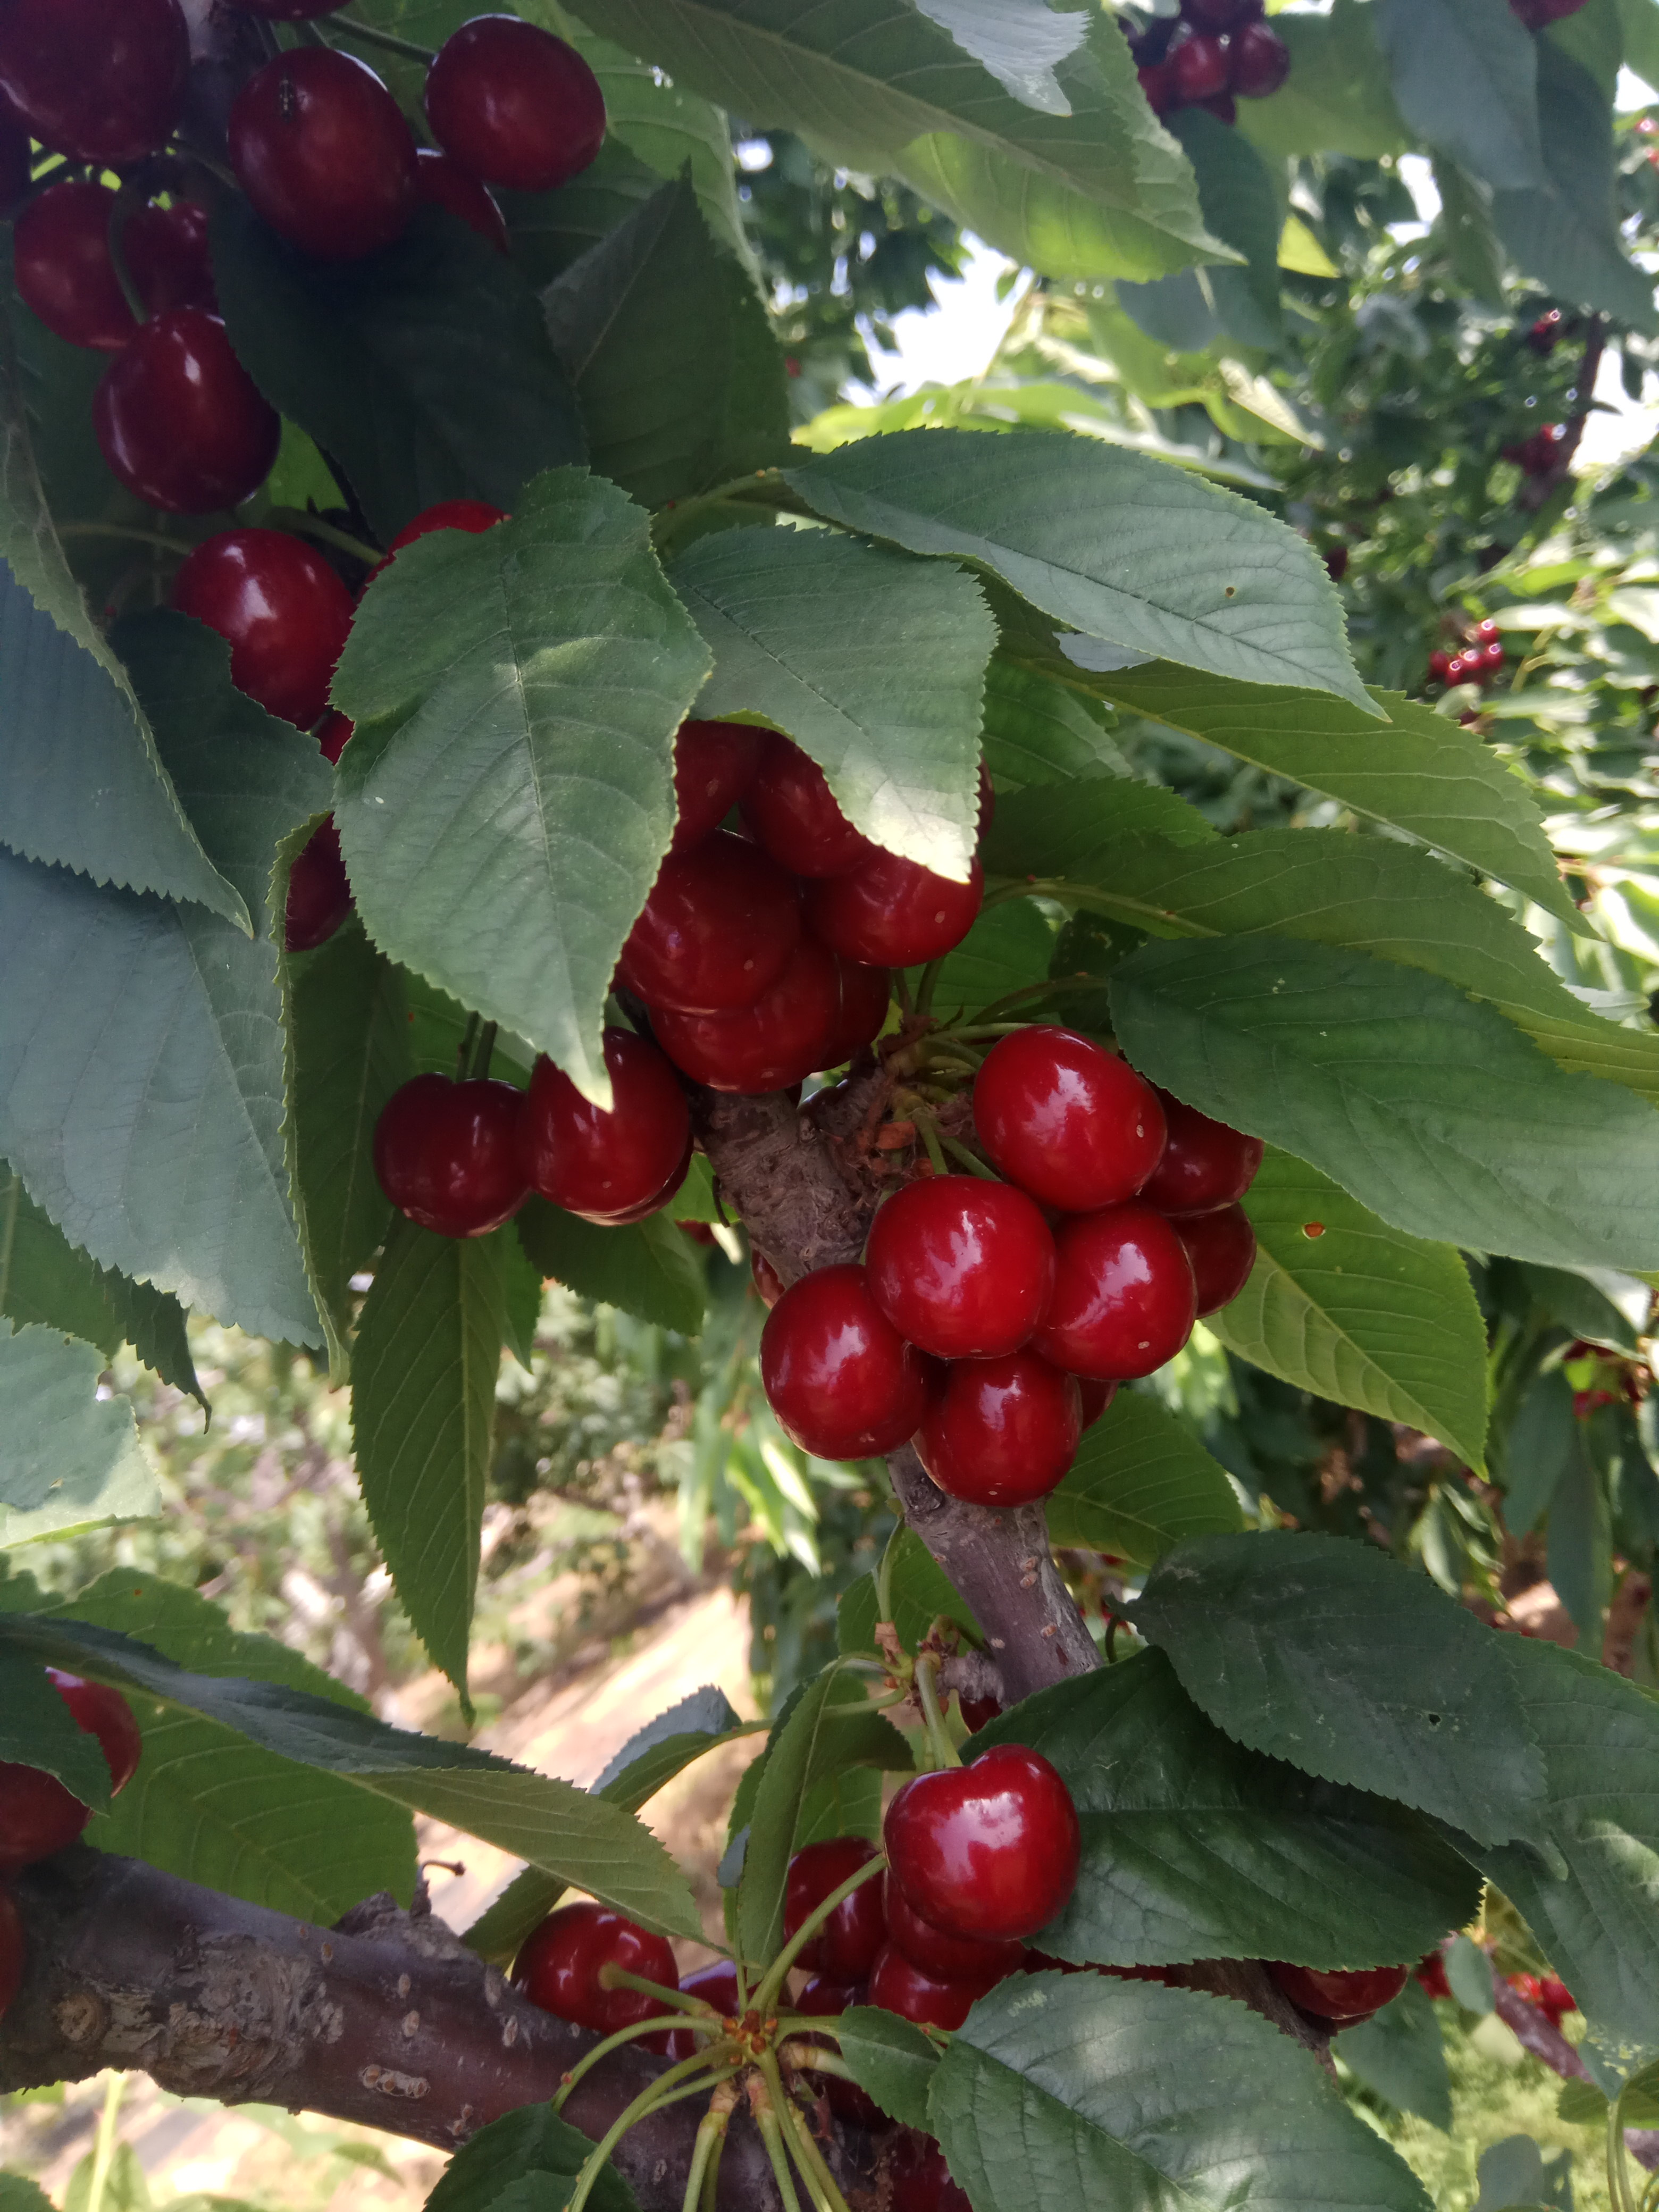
(1581, 1306)
(648, 1269)
(521, 1303)
(423, 1418)
(1036, 730)
(70, 1461)
(1336, 98)
(1384, 1078)
(1006, 950)
(1058, 2090)
(1399, 2055)
(1140, 1482)
(1472, 246)
(532, 2145)
(508, 795)
(1241, 205)
(32, 1734)
(1122, 548)
(141, 1093)
(1638, 20)
(1469, 1975)
(1579, 1557)
(1466, 76)
(382, 361)
(1543, 1441)
(920, 1592)
(891, 2059)
(872, 663)
(1358, 1314)
(1330, 1655)
(668, 422)
(1063, 835)
(18, 2194)
(1196, 1848)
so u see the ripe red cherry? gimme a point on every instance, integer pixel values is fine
(945, 1957)
(1158, 84)
(1259, 62)
(841, 1380)
(1000, 1431)
(789, 808)
(101, 81)
(845, 1947)
(334, 736)
(284, 611)
(822, 1999)
(1096, 1396)
(718, 929)
(321, 149)
(447, 1153)
(861, 1012)
(714, 763)
(921, 2179)
(559, 1967)
(514, 105)
(1199, 66)
(716, 1985)
(1221, 1250)
(473, 515)
(777, 1040)
(1341, 1998)
(1074, 1126)
(1440, 664)
(897, 1985)
(604, 1166)
(38, 1814)
(66, 274)
(439, 182)
(12, 1950)
(105, 1713)
(889, 913)
(290, 11)
(1205, 1164)
(318, 891)
(961, 1266)
(1124, 1297)
(180, 421)
(990, 1850)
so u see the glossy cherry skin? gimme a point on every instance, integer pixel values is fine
(603, 1165)
(105, 1713)
(866, 993)
(1205, 1164)
(558, 1967)
(514, 105)
(945, 1957)
(439, 182)
(789, 808)
(1200, 67)
(322, 150)
(717, 1985)
(1343, 1999)
(889, 913)
(1070, 1123)
(447, 1153)
(779, 1038)
(714, 764)
(66, 274)
(823, 1999)
(961, 1266)
(101, 81)
(896, 1985)
(719, 926)
(845, 1947)
(1124, 1301)
(38, 1814)
(1096, 1396)
(318, 891)
(282, 609)
(473, 515)
(1259, 62)
(1220, 1248)
(13, 1952)
(1000, 1431)
(990, 1850)
(921, 2180)
(841, 1380)
(334, 736)
(180, 422)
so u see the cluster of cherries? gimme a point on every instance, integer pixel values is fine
(1214, 54)
(1478, 659)
(325, 155)
(990, 1321)
(39, 1816)
(1547, 1992)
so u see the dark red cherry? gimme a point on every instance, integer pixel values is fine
(66, 273)
(1200, 67)
(945, 1957)
(1124, 1297)
(178, 419)
(1259, 62)
(168, 255)
(514, 105)
(716, 1985)
(603, 1165)
(322, 150)
(473, 515)
(290, 11)
(1158, 84)
(102, 81)
(1096, 1396)
(318, 891)
(38, 1814)
(714, 763)
(1072, 1124)
(921, 2180)
(767, 1281)
(898, 1986)
(559, 1967)
(439, 182)
(447, 1153)
(1221, 1249)
(841, 1380)
(988, 1850)
(103, 1712)
(17, 163)
(719, 928)
(961, 1266)
(789, 807)
(334, 736)
(861, 1011)
(1223, 107)
(282, 609)
(1343, 1999)
(1000, 1431)
(781, 1038)
(822, 1999)
(978, 1712)
(845, 1947)
(1205, 1164)
(14, 1951)
(1217, 16)
(889, 913)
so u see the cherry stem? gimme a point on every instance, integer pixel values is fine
(767, 1995)
(706, 2150)
(971, 1161)
(771, 2134)
(654, 2097)
(484, 1049)
(884, 1575)
(123, 204)
(120, 530)
(589, 2059)
(295, 518)
(469, 1037)
(809, 2058)
(938, 1735)
(389, 41)
(928, 984)
(613, 1977)
(928, 1130)
(826, 2197)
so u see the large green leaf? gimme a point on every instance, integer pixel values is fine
(873, 663)
(1241, 204)
(32, 1722)
(668, 421)
(1008, 949)
(1062, 836)
(383, 361)
(141, 1093)
(68, 1460)
(1148, 557)
(1400, 2056)
(1638, 20)
(1058, 2090)
(423, 1418)
(1140, 1482)
(1330, 1655)
(1427, 1105)
(526, 2162)
(891, 2059)
(1357, 1313)
(1196, 1848)
(648, 1268)
(508, 795)
(1037, 731)
(1466, 76)
(1336, 98)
